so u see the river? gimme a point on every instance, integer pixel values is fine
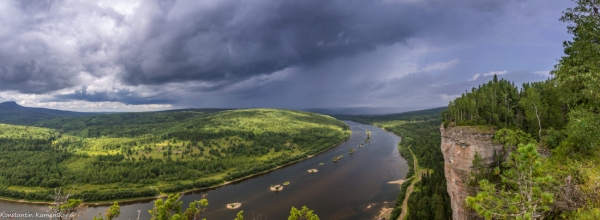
(355, 187)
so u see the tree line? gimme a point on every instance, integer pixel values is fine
(420, 135)
(172, 151)
(549, 133)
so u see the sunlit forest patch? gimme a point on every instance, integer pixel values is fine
(130, 155)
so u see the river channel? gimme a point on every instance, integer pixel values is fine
(355, 187)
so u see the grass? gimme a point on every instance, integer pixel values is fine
(583, 167)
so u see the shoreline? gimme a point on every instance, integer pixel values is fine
(399, 182)
(185, 192)
(386, 212)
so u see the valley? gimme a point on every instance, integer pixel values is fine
(366, 173)
(300, 110)
(139, 155)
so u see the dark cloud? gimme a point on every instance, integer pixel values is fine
(124, 96)
(291, 53)
(33, 76)
(46, 45)
(235, 40)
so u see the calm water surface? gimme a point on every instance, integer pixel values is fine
(356, 187)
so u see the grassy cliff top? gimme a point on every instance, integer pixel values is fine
(483, 129)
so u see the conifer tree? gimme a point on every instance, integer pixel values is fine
(522, 192)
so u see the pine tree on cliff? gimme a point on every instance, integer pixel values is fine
(521, 194)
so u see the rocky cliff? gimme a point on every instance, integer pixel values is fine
(459, 145)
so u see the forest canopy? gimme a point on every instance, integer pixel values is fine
(561, 115)
(130, 155)
(421, 140)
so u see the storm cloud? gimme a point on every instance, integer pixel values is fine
(265, 53)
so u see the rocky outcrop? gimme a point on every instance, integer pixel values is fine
(459, 145)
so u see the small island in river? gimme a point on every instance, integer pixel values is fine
(276, 188)
(234, 205)
(335, 159)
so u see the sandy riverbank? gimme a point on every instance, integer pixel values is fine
(399, 182)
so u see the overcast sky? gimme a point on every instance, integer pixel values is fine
(118, 55)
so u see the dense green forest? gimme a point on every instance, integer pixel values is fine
(13, 113)
(420, 136)
(129, 155)
(549, 130)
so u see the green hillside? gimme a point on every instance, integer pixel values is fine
(130, 155)
(13, 113)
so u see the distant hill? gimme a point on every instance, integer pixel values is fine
(358, 110)
(13, 113)
(418, 115)
(436, 111)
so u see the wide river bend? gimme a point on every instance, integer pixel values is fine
(355, 187)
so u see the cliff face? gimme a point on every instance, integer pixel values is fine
(459, 145)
